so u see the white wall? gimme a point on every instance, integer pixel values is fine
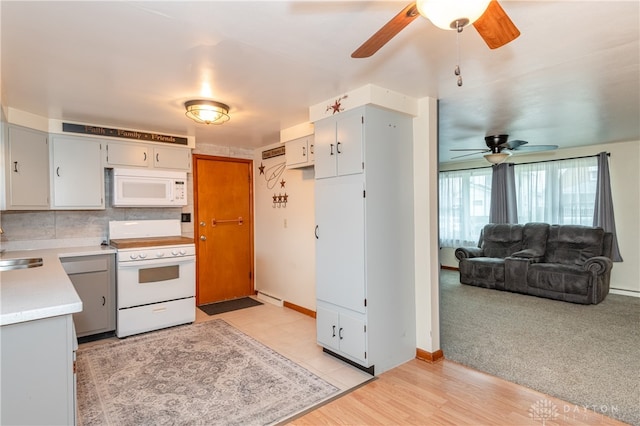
(284, 236)
(624, 167)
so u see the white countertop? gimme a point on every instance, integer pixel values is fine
(44, 291)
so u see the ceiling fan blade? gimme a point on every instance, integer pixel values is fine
(468, 155)
(536, 148)
(495, 27)
(514, 144)
(387, 32)
(469, 149)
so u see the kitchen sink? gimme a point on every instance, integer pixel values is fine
(11, 264)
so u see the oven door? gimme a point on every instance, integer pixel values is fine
(155, 280)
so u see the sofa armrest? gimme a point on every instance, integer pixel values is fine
(468, 252)
(599, 265)
(532, 255)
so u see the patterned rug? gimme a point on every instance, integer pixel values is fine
(200, 374)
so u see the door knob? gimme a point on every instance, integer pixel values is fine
(203, 238)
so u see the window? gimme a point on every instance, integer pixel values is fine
(557, 192)
(465, 196)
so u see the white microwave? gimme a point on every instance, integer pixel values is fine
(149, 188)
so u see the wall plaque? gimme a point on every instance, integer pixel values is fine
(273, 152)
(124, 134)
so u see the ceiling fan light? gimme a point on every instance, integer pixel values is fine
(497, 157)
(207, 112)
(449, 14)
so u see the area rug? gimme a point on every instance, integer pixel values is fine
(229, 305)
(207, 373)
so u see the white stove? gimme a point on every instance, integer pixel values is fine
(155, 275)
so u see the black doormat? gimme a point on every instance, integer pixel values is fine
(229, 305)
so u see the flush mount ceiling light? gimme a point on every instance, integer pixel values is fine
(207, 112)
(452, 15)
(497, 157)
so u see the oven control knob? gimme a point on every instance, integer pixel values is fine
(183, 252)
(175, 252)
(143, 255)
(160, 254)
(133, 256)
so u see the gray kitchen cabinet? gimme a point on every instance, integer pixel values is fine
(77, 174)
(94, 280)
(26, 166)
(365, 289)
(172, 158)
(299, 152)
(38, 385)
(127, 154)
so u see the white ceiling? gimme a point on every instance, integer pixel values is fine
(572, 78)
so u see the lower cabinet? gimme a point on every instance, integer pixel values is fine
(342, 332)
(38, 380)
(94, 280)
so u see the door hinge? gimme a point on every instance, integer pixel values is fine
(365, 328)
(362, 119)
(250, 274)
(363, 165)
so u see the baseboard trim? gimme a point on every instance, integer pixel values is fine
(300, 309)
(423, 355)
(450, 268)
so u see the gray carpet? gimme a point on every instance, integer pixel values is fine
(200, 374)
(588, 355)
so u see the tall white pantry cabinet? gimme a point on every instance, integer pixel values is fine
(365, 307)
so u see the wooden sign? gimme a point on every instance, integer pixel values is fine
(124, 134)
(273, 152)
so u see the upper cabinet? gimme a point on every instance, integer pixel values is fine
(300, 152)
(138, 154)
(26, 169)
(127, 154)
(77, 173)
(338, 145)
(172, 158)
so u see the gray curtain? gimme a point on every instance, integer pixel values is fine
(603, 212)
(503, 207)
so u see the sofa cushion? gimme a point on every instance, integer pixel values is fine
(559, 278)
(573, 244)
(501, 239)
(534, 238)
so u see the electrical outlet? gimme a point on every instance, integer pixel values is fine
(185, 217)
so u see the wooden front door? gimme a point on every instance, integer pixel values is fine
(223, 228)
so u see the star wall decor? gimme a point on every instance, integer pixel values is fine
(337, 106)
(282, 183)
(261, 168)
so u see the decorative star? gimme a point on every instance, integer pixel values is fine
(279, 198)
(282, 182)
(275, 197)
(285, 196)
(261, 168)
(337, 106)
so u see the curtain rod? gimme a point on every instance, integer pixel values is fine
(530, 162)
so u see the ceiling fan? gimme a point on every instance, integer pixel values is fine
(499, 148)
(487, 16)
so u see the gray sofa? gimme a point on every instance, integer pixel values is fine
(562, 262)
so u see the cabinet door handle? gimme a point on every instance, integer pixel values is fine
(338, 148)
(311, 148)
(334, 331)
(104, 301)
(145, 156)
(340, 333)
(331, 149)
(157, 158)
(15, 166)
(58, 171)
(316, 232)
(304, 151)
